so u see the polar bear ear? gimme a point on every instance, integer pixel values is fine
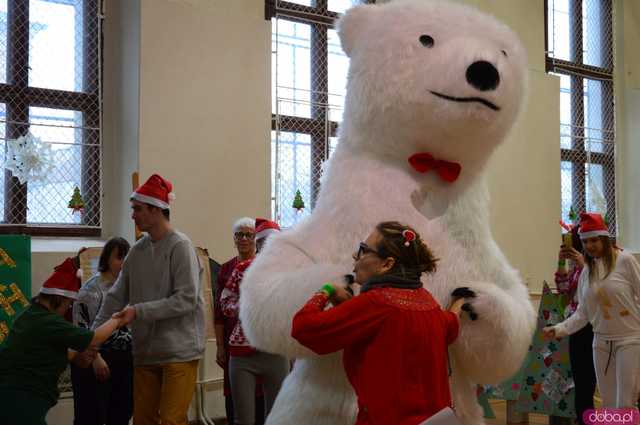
(351, 26)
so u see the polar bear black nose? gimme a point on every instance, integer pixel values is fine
(483, 76)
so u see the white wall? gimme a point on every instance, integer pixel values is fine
(121, 112)
(205, 112)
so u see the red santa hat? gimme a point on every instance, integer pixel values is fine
(65, 280)
(265, 227)
(592, 225)
(155, 191)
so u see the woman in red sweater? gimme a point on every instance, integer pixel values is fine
(394, 334)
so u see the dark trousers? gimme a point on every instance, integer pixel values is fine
(228, 405)
(109, 402)
(582, 369)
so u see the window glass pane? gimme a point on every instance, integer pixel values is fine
(3, 42)
(338, 68)
(56, 44)
(595, 189)
(566, 170)
(593, 43)
(291, 65)
(565, 111)
(48, 200)
(302, 2)
(292, 173)
(593, 115)
(3, 149)
(341, 6)
(558, 29)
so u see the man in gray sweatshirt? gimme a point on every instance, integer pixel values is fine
(158, 292)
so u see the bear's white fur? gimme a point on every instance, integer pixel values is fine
(391, 112)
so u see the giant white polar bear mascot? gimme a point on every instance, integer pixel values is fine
(425, 77)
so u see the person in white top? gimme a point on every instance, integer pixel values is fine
(608, 293)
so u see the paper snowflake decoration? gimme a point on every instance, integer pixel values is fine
(28, 158)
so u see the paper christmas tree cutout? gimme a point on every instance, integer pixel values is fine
(298, 203)
(76, 203)
(6, 260)
(544, 383)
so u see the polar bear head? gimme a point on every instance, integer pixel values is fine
(430, 76)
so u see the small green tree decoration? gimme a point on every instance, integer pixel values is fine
(76, 203)
(573, 216)
(298, 203)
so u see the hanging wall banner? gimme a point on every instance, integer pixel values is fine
(15, 279)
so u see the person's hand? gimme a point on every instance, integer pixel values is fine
(341, 295)
(125, 316)
(221, 356)
(549, 332)
(456, 306)
(101, 369)
(85, 358)
(573, 255)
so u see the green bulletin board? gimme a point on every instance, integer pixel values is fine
(15, 279)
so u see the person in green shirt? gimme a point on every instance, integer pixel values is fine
(40, 344)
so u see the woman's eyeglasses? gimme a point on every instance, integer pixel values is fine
(244, 235)
(363, 248)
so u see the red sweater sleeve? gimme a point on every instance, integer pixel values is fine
(453, 326)
(327, 331)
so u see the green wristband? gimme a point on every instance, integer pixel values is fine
(329, 289)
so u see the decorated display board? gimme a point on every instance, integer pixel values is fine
(544, 384)
(15, 279)
(206, 283)
(89, 262)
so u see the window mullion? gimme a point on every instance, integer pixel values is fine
(575, 31)
(17, 108)
(577, 141)
(319, 101)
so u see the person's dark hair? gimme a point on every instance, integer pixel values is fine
(119, 244)
(412, 260)
(609, 256)
(576, 242)
(165, 212)
(54, 301)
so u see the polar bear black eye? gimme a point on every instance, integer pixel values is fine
(504, 53)
(426, 40)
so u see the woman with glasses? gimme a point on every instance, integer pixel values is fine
(248, 367)
(244, 239)
(393, 332)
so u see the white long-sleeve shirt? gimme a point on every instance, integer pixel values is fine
(611, 304)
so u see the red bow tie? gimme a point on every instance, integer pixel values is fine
(425, 162)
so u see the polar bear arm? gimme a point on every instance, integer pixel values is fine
(327, 331)
(278, 283)
(505, 320)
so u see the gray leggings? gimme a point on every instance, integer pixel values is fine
(243, 371)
